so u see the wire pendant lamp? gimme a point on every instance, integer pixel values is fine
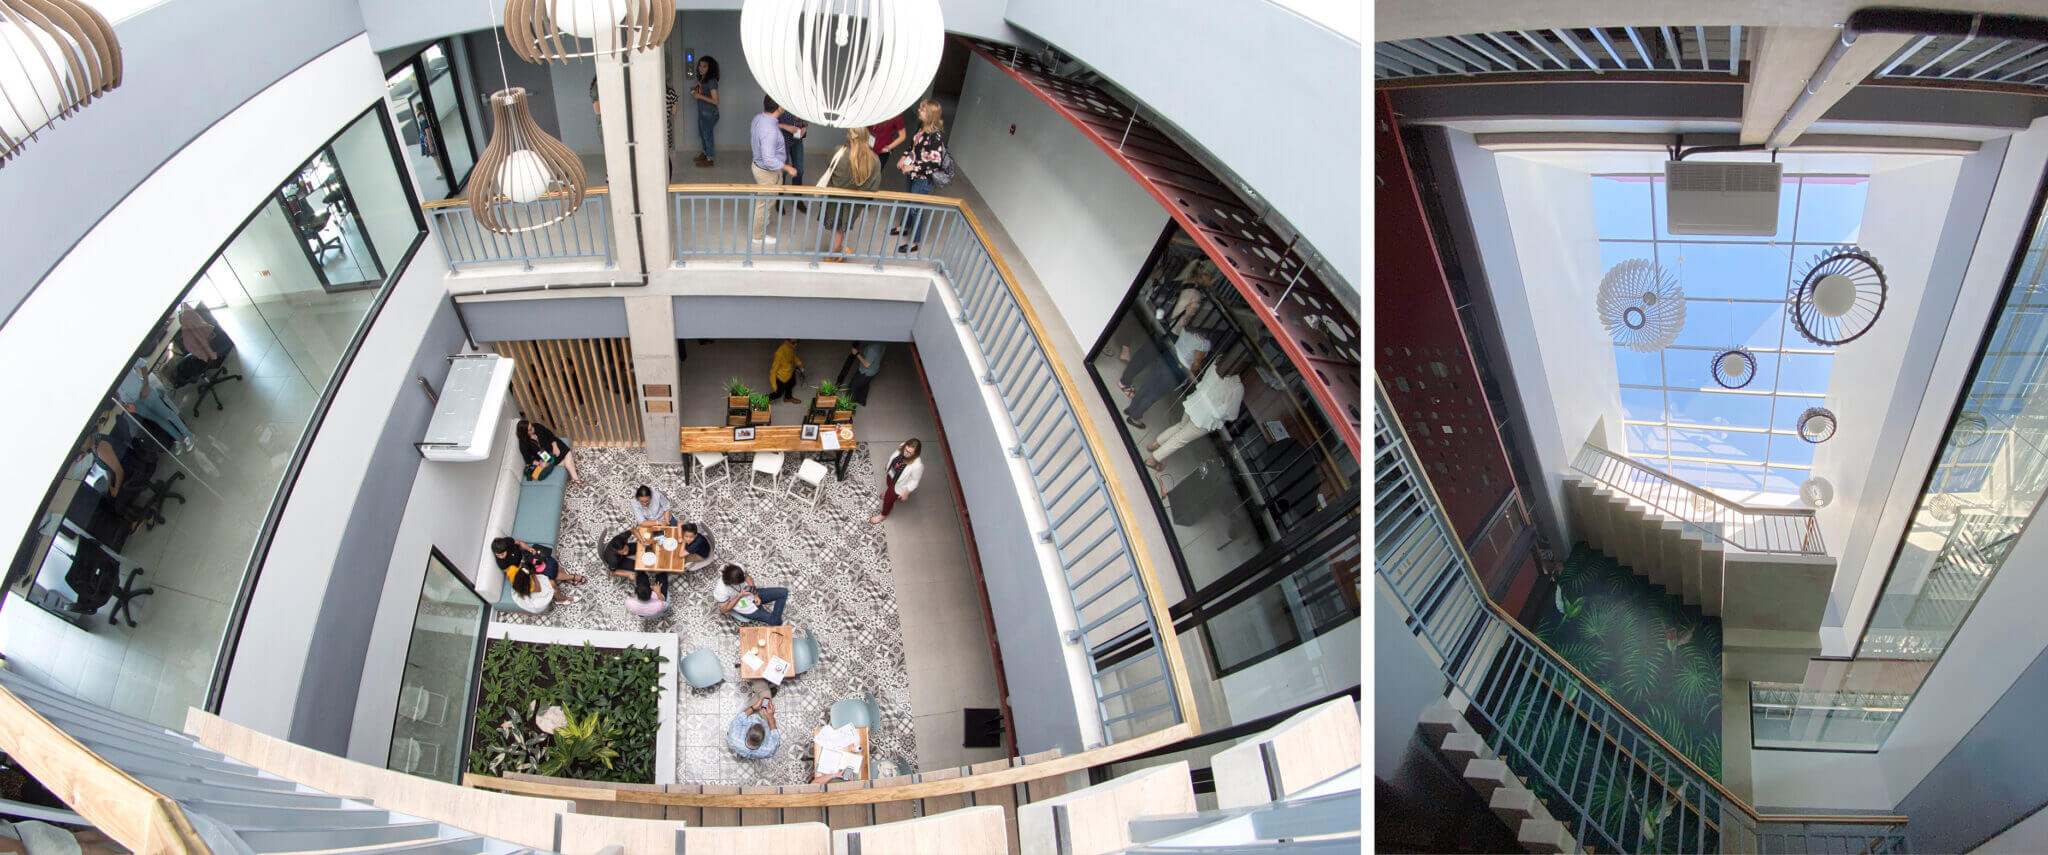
(843, 63)
(525, 179)
(55, 57)
(543, 31)
(1641, 305)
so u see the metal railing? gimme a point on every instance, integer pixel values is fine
(584, 235)
(1967, 59)
(1115, 597)
(1791, 716)
(1777, 530)
(1614, 783)
(1590, 50)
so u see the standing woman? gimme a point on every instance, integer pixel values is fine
(925, 158)
(905, 468)
(538, 445)
(858, 169)
(705, 93)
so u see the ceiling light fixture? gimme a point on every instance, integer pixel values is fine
(1642, 305)
(543, 31)
(525, 179)
(1734, 369)
(843, 63)
(55, 57)
(1816, 425)
(1839, 297)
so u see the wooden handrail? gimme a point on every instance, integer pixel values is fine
(464, 200)
(1588, 685)
(868, 795)
(121, 807)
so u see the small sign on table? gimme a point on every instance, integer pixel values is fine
(810, 432)
(742, 434)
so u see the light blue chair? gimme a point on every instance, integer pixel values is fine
(806, 652)
(860, 712)
(702, 669)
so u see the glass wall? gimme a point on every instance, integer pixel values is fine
(176, 475)
(439, 682)
(1259, 495)
(432, 120)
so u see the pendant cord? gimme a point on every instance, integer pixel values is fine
(499, 43)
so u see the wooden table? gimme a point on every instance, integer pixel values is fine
(665, 561)
(768, 438)
(781, 642)
(866, 758)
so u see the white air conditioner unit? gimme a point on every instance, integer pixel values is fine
(1722, 198)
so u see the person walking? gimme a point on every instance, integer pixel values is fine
(782, 374)
(705, 94)
(794, 130)
(922, 164)
(771, 162)
(904, 470)
(869, 359)
(855, 167)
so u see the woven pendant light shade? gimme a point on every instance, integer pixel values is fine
(843, 63)
(55, 57)
(525, 179)
(560, 30)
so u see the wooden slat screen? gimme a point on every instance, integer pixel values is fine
(582, 388)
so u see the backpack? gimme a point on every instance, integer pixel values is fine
(944, 174)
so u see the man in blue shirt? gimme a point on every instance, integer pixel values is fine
(771, 162)
(869, 359)
(755, 737)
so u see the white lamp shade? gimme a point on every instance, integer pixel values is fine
(31, 89)
(524, 177)
(843, 63)
(590, 19)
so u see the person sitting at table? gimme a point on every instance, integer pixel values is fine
(735, 592)
(696, 542)
(619, 555)
(513, 553)
(650, 506)
(534, 593)
(755, 737)
(649, 600)
(542, 451)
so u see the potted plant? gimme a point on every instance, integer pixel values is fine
(758, 404)
(738, 399)
(843, 411)
(823, 403)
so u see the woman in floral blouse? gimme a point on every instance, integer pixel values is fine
(926, 154)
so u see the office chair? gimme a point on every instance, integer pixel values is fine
(310, 223)
(96, 576)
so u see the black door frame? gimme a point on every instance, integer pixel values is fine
(418, 64)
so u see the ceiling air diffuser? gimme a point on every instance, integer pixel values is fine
(1722, 198)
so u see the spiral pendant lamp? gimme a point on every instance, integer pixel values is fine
(525, 179)
(543, 31)
(843, 63)
(55, 57)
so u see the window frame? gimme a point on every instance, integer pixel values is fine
(474, 694)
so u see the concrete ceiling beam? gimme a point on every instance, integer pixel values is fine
(1870, 51)
(1414, 19)
(1784, 58)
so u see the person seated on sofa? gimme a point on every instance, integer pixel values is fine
(543, 451)
(514, 553)
(533, 592)
(735, 593)
(650, 506)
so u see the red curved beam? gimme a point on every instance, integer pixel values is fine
(1319, 335)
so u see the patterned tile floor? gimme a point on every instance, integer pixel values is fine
(834, 564)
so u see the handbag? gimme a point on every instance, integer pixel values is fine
(944, 174)
(826, 179)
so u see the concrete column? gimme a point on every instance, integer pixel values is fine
(651, 326)
(650, 150)
(611, 95)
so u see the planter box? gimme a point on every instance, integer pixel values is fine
(824, 402)
(842, 416)
(760, 417)
(736, 402)
(666, 643)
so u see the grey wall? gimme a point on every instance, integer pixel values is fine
(1269, 93)
(1083, 223)
(486, 75)
(522, 320)
(400, 22)
(1995, 777)
(1404, 684)
(1034, 663)
(78, 170)
(794, 317)
(325, 710)
(716, 33)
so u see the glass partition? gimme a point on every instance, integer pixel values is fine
(123, 593)
(439, 681)
(425, 93)
(1258, 495)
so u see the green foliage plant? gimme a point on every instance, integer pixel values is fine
(580, 744)
(621, 688)
(737, 389)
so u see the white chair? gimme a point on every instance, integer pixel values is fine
(418, 704)
(813, 473)
(767, 463)
(709, 460)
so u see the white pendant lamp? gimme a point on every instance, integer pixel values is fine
(545, 31)
(524, 179)
(55, 57)
(843, 63)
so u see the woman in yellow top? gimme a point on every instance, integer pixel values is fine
(783, 373)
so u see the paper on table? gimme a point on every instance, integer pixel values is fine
(777, 669)
(828, 440)
(837, 738)
(752, 660)
(834, 760)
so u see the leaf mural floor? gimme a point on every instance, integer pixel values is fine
(1659, 657)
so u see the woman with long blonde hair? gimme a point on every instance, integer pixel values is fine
(854, 167)
(925, 165)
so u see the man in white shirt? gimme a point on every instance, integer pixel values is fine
(1212, 404)
(736, 593)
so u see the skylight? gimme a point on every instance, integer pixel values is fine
(1676, 417)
